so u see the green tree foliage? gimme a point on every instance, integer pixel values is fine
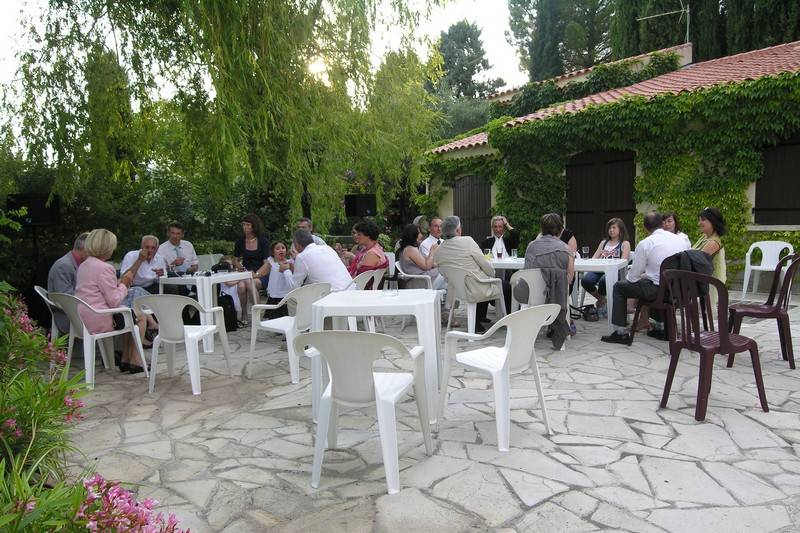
(739, 25)
(460, 115)
(775, 22)
(586, 33)
(624, 32)
(522, 27)
(546, 58)
(464, 61)
(707, 29)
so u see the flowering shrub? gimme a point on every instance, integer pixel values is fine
(38, 402)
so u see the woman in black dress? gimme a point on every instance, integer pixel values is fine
(251, 252)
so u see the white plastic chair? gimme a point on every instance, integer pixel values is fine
(69, 304)
(770, 255)
(205, 262)
(361, 281)
(168, 310)
(456, 288)
(537, 288)
(290, 326)
(354, 383)
(402, 276)
(515, 356)
(52, 307)
(392, 262)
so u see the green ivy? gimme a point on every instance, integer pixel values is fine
(695, 149)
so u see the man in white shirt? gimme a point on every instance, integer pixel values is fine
(643, 275)
(316, 264)
(178, 253)
(146, 264)
(434, 236)
(306, 224)
(501, 242)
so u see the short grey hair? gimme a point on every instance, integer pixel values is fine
(449, 226)
(495, 219)
(152, 238)
(80, 242)
(302, 238)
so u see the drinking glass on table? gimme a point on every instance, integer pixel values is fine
(487, 253)
(585, 252)
(514, 253)
(499, 254)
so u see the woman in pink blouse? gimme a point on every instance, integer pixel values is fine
(96, 284)
(371, 255)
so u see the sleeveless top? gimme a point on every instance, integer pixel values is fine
(277, 287)
(252, 259)
(357, 268)
(718, 259)
(608, 249)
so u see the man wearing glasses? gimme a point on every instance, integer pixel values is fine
(434, 236)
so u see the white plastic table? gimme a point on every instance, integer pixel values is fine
(609, 267)
(206, 296)
(423, 304)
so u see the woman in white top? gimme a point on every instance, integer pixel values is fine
(615, 244)
(670, 223)
(277, 286)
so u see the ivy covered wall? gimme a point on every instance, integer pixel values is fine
(695, 149)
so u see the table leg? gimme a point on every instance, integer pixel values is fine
(160, 286)
(427, 321)
(204, 296)
(612, 276)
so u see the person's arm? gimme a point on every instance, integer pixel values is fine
(132, 267)
(572, 245)
(512, 240)
(626, 250)
(263, 270)
(413, 254)
(481, 261)
(637, 268)
(113, 291)
(61, 280)
(711, 247)
(371, 259)
(599, 251)
(571, 268)
(296, 276)
(191, 258)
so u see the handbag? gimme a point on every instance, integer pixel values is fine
(586, 312)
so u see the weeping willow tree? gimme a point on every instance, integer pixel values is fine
(239, 71)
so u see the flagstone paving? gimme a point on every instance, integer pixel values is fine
(238, 457)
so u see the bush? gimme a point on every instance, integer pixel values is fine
(213, 247)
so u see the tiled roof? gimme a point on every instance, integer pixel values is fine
(479, 139)
(730, 69)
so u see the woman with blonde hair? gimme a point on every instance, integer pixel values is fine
(96, 284)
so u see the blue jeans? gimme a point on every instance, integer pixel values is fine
(594, 281)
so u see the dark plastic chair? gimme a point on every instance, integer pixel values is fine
(686, 301)
(772, 308)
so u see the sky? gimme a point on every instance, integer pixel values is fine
(491, 16)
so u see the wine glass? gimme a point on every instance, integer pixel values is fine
(487, 253)
(499, 254)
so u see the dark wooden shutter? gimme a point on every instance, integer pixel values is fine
(472, 203)
(776, 199)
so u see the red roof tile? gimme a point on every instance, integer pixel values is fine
(730, 69)
(479, 139)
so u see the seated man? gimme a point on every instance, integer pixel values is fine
(146, 264)
(61, 277)
(463, 252)
(501, 242)
(306, 224)
(315, 264)
(178, 253)
(434, 236)
(643, 276)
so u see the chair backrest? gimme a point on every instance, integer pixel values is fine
(303, 297)
(70, 304)
(686, 300)
(770, 251)
(522, 328)
(392, 262)
(537, 288)
(168, 309)
(375, 276)
(403, 276)
(205, 262)
(41, 291)
(793, 261)
(456, 280)
(350, 356)
(215, 258)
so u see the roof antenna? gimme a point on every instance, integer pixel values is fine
(682, 10)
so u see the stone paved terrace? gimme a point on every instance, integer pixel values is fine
(238, 457)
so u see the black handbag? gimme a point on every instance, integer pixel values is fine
(586, 312)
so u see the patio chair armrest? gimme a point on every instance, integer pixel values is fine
(416, 351)
(111, 311)
(488, 280)
(463, 335)
(257, 310)
(311, 352)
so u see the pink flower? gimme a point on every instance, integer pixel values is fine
(10, 423)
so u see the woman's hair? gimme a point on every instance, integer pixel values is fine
(254, 221)
(368, 228)
(274, 244)
(674, 215)
(551, 224)
(619, 223)
(715, 218)
(408, 237)
(101, 243)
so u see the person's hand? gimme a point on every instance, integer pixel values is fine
(179, 261)
(284, 265)
(159, 271)
(143, 255)
(506, 224)
(127, 279)
(432, 249)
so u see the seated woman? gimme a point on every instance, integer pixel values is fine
(278, 287)
(413, 262)
(550, 254)
(615, 244)
(96, 284)
(712, 226)
(253, 249)
(670, 223)
(371, 255)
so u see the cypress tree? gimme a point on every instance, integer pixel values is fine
(661, 32)
(546, 60)
(625, 29)
(739, 25)
(707, 30)
(774, 22)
